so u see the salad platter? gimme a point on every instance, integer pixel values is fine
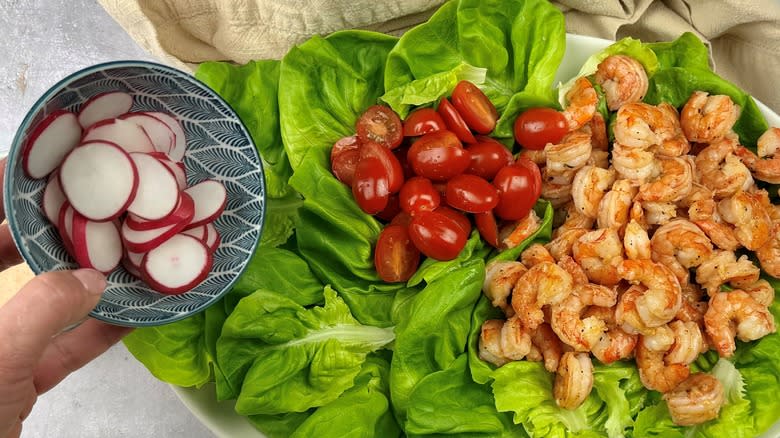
(406, 357)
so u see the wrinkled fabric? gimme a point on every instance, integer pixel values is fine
(744, 35)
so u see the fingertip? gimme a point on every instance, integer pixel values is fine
(93, 281)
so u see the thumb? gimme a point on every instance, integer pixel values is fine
(43, 308)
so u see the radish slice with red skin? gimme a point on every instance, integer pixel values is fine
(158, 191)
(210, 199)
(132, 270)
(177, 265)
(99, 179)
(53, 198)
(104, 106)
(143, 241)
(135, 258)
(65, 226)
(162, 137)
(124, 133)
(213, 239)
(97, 245)
(183, 213)
(200, 232)
(180, 146)
(48, 144)
(178, 172)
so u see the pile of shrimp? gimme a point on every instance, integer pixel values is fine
(644, 260)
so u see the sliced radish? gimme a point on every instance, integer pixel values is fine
(124, 133)
(135, 258)
(178, 172)
(183, 213)
(162, 137)
(210, 199)
(104, 106)
(65, 226)
(180, 146)
(177, 265)
(213, 239)
(158, 191)
(97, 245)
(132, 270)
(159, 155)
(200, 232)
(143, 241)
(51, 140)
(99, 179)
(53, 198)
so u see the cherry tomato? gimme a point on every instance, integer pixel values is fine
(436, 235)
(516, 190)
(457, 216)
(395, 256)
(370, 185)
(487, 157)
(423, 121)
(536, 127)
(488, 228)
(455, 122)
(344, 157)
(393, 167)
(441, 187)
(380, 124)
(402, 153)
(438, 156)
(477, 110)
(471, 193)
(402, 218)
(535, 172)
(418, 194)
(391, 210)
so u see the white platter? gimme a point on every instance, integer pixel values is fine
(220, 417)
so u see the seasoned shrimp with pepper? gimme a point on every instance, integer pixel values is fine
(574, 380)
(695, 400)
(736, 313)
(623, 79)
(705, 118)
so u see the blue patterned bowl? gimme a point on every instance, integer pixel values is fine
(218, 147)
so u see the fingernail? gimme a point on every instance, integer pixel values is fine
(93, 281)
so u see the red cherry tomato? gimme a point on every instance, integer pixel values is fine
(438, 156)
(391, 210)
(488, 228)
(471, 193)
(344, 157)
(402, 218)
(418, 194)
(395, 256)
(380, 124)
(436, 235)
(395, 172)
(402, 154)
(487, 157)
(455, 122)
(457, 216)
(536, 127)
(370, 185)
(535, 172)
(477, 110)
(516, 190)
(423, 121)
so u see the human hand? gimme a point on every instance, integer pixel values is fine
(35, 353)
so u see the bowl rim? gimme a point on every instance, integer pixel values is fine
(18, 144)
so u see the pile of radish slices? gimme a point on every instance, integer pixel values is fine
(117, 192)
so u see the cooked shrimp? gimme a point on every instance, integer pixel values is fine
(644, 126)
(571, 153)
(688, 343)
(653, 372)
(680, 245)
(578, 276)
(516, 232)
(636, 242)
(695, 400)
(632, 163)
(599, 253)
(574, 219)
(736, 313)
(626, 314)
(581, 101)
(623, 79)
(693, 307)
(769, 254)
(637, 214)
(567, 322)
(598, 158)
(548, 345)
(673, 141)
(574, 380)
(500, 279)
(615, 205)
(588, 188)
(545, 283)
(614, 344)
(562, 245)
(704, 213)
(537, 156)
(598, 133)
(706, 118)
(535, 254)
(722, 171)
(663, 297)
(658, 213)
(503, 341)
(698, 192)
(761, 291)
(752, 224)
(556, 188)
(674, 182)
(724, 267)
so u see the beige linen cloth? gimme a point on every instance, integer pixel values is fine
(744, 35)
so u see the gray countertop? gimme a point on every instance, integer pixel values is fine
(114, 396)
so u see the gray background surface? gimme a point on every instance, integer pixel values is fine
(43, 41)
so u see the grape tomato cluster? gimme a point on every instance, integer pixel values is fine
(428, 175)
